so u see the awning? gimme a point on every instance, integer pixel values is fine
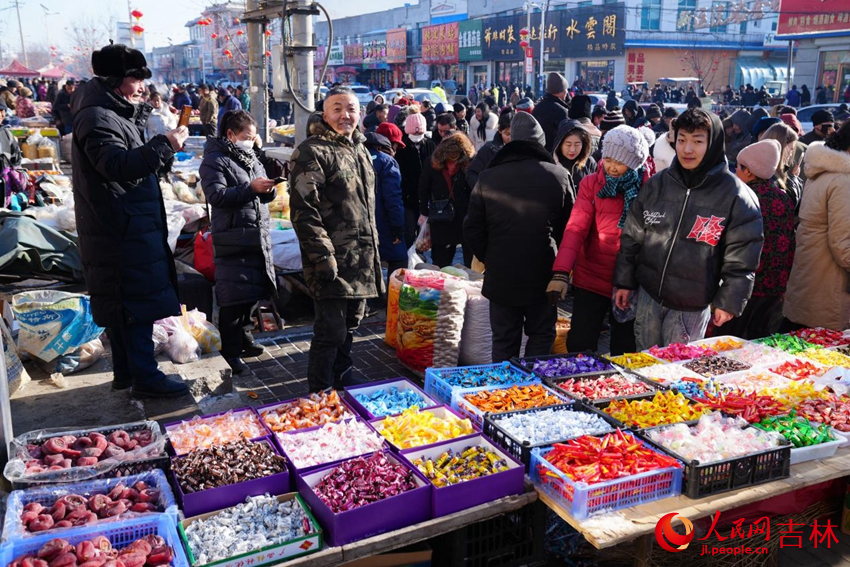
(17, 69)
(754, 71)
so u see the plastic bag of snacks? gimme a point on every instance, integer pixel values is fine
(430, 319)
(394, 288)
(207, 335)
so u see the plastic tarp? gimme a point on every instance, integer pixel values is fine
(30, 247)
(285, 249)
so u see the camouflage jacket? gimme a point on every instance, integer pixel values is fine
(332, 201)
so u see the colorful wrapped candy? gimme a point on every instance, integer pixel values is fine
(596, 459)
(331, 442)
(664, 407)
(827, 357)
(633, 360)
(363, 481)
(821, 336)
(301, 413)
(604, 387)
(561, 366)
(204, 432)
(796, 392)
(834, 411)
(680, 351)
(798, 369)
(725, 344)
(714, 438)
(513, 398)
(550, 425)
(787, 343)
(798, 430)
(476, 377)
(758, 355)
(692, 387)
(414, 428)
(475, 461)
(752, 407)
(390, 401)
(765, 383)
(665, 374)
(715, 366)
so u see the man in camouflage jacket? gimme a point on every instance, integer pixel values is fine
(332, 201)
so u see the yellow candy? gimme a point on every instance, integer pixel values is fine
(414, 428)
(723, 345)
(633, 360)
(799, 391)
(828, 357)
(664, 407)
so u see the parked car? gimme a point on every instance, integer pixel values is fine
(417, 94)
(449, 86)
(596, 97)
(364, 95)
(804, 115)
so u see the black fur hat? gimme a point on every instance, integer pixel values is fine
(119, 61)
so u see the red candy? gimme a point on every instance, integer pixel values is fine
(751, 407)
(798, 370)
(680, 351)
(821, 336)
(98, 552)
(610, 386)
(833, 411)
(362, 481)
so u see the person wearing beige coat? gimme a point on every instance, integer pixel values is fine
(818, 292)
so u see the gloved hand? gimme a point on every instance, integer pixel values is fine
(326, 270)
(558, 287)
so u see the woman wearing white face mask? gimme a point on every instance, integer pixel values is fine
(238, 191)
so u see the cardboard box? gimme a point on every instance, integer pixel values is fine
(305, 545)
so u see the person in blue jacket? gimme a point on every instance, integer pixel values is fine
(226, 103)
(389, 210)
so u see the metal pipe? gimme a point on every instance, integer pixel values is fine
(257, 77)
(303, 83)
(543, 9)
(529, 74)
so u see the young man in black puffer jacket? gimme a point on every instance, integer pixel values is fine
(691, 242)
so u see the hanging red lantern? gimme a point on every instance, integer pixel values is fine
(138, 30)
(228, 53)
(236, 20)
(136, 14)
(268, 53)
(523, 43)
(523, 32)
(240, 32)
(214, 36)
(268, 32)
(227, 38)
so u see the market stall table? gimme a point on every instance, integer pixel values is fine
(638, 522)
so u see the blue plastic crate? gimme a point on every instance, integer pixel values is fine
(120, 534)
(476, 416)
(441, 382)
(47, 496)
(581, 499)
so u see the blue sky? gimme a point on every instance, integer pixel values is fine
(162, 19)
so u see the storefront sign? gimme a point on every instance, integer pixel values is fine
(397, 46)
(636, 62)
(593, 31)
(722, 13)
(374, 51)
(353, 54)
(337, 56)
(469, 40)
(500, 38)
(804, 17)
(440, 44)
(319, 55)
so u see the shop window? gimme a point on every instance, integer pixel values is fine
(685, 15)
(719, 11)
(584, 4)
(650, 15)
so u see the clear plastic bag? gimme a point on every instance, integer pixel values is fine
(627, 315)
(75, 361)
(207, 335)
(15, 470)
(181, 346)
(160, 338)
(47, 496)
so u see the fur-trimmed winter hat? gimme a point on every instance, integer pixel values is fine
(116, 60)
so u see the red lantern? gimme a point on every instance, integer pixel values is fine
(228, 53)
(227, 38)
(136, 14)
(240, 32)
(138, 30)
(236, 21)
(268, 53)
(214, 36)
(523, 32)
(523, 43)
(268, 32)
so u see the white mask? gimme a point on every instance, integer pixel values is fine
(245, 145)
(416, 138)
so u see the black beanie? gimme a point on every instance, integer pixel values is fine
(116, 60)
(580, 107)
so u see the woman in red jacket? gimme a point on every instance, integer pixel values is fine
(592, 239)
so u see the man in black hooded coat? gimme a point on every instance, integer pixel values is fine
(127, 263)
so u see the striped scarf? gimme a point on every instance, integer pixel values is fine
(626, 185)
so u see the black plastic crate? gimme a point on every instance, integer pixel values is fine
(515, 539)
(522, 362)
(653, 386)
(699, 481)
(521, 450)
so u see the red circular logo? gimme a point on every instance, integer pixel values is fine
(663, 530)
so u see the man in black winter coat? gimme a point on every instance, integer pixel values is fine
(553, 108)
(62, 107)
(517, 214)
(121, 222)
(412, 158)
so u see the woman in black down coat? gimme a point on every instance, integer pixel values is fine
(237, 189)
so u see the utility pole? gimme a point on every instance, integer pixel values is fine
(529, 75)
(543, 9)
(302, 48)
(257, 76)
(21, 31)
(130, 31)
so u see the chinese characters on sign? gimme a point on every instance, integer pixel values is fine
(593, 31)
(353, 54)
(721, 14)
(469, 40)
(337, 56)
(635, 62)
(375, 54)
(500, 38)
(397, 46)
(440, 44)
(800, 17)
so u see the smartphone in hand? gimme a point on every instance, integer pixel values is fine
(185, 113)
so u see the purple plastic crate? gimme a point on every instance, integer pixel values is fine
(260, 410)
(372, 387)
(476, 416)
(439, 411)
(450, 499)
(296, 470)
(210, 500)
(265, 433)
(373, 519)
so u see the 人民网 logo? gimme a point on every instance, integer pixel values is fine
(663, 530)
